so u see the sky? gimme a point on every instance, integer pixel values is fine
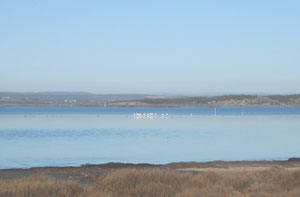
(152, 47)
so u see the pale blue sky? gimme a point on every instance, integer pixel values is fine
(181, 47)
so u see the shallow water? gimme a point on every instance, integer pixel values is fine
(63, 136)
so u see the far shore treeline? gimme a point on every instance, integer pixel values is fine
(135, 100)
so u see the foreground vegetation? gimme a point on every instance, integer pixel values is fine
(277, 182)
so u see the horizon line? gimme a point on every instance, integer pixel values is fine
(156, 94)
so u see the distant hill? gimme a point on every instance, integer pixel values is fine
(89, 99)
(227, 100)
(65, 98)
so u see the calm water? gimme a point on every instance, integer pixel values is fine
(63, 136)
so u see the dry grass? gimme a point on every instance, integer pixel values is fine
(41, 186)
(276, 182)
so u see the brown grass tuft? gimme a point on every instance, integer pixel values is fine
(150, 182)
(39, 186)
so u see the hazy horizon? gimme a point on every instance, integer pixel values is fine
(158, 94)
(157, 47)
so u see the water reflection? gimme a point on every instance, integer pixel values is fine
(68, 139)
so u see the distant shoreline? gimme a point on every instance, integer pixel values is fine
(215, 101)
(100, 100)
(146, 106)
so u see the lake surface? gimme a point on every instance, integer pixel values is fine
(71, 136)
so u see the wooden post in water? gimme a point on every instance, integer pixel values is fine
(215, 112)
(243, 107)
